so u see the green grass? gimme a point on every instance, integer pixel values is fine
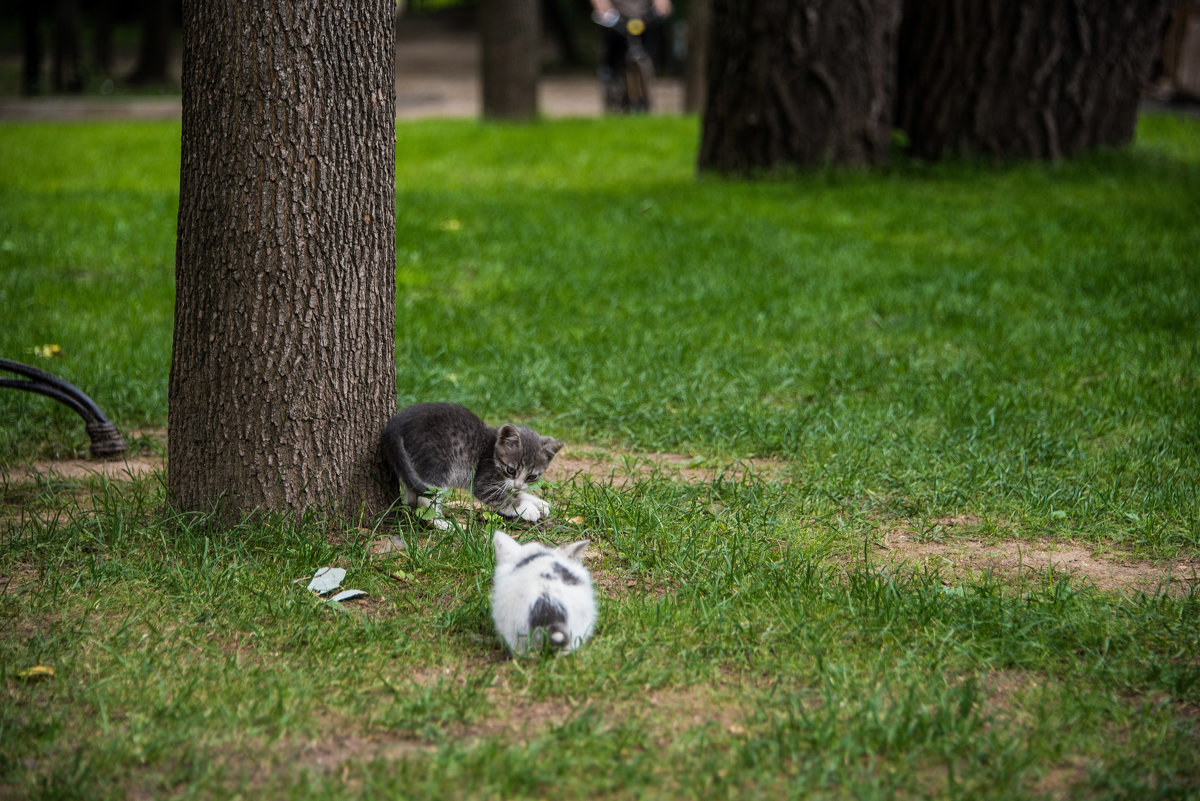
(1018, 345)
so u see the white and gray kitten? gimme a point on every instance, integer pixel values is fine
(444, 445)
(542, 597)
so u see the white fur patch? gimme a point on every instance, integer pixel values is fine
(533, 571)
(530, 507)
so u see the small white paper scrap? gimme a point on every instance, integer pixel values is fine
(347, 594)
(327, 579)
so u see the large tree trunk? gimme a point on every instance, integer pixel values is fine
(1023, 78)
(799, 83)
(510, 32)
(282, 370)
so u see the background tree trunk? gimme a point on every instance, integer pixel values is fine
(32, 51)
(699, 32)
(511, 61)
(102, 34)
(65, 71)
(154, 45)
(558, 22)
(799, 82)
(1023, 78)
(282, 370)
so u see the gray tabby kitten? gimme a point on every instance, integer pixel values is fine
(443, 445)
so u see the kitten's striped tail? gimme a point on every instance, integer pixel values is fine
(398, 459)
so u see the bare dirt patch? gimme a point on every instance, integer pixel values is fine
(19, 578)
(123, 467)
(668, 709)
(615, 584)
(112, 469)
(336, 749)
(514, 717)
(604, 467)
(1107, 571)
(575, 461)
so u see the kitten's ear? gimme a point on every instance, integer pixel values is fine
(506, 547)
(575, 551)
(508, 435)
(550, 446)
(508, 441)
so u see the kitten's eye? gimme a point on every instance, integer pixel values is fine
(509, 470)
(532, 477)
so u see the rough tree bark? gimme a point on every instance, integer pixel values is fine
(1023, 78)
(511, 62)
(799, 83)
(282, 369)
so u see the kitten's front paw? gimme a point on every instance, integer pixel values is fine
(531, 508)
(440, 524)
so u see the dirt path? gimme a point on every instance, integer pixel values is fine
(961, 556)
(437, 75)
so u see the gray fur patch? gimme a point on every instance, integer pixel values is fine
(565, 574)
(546, 612)
(529, 559)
